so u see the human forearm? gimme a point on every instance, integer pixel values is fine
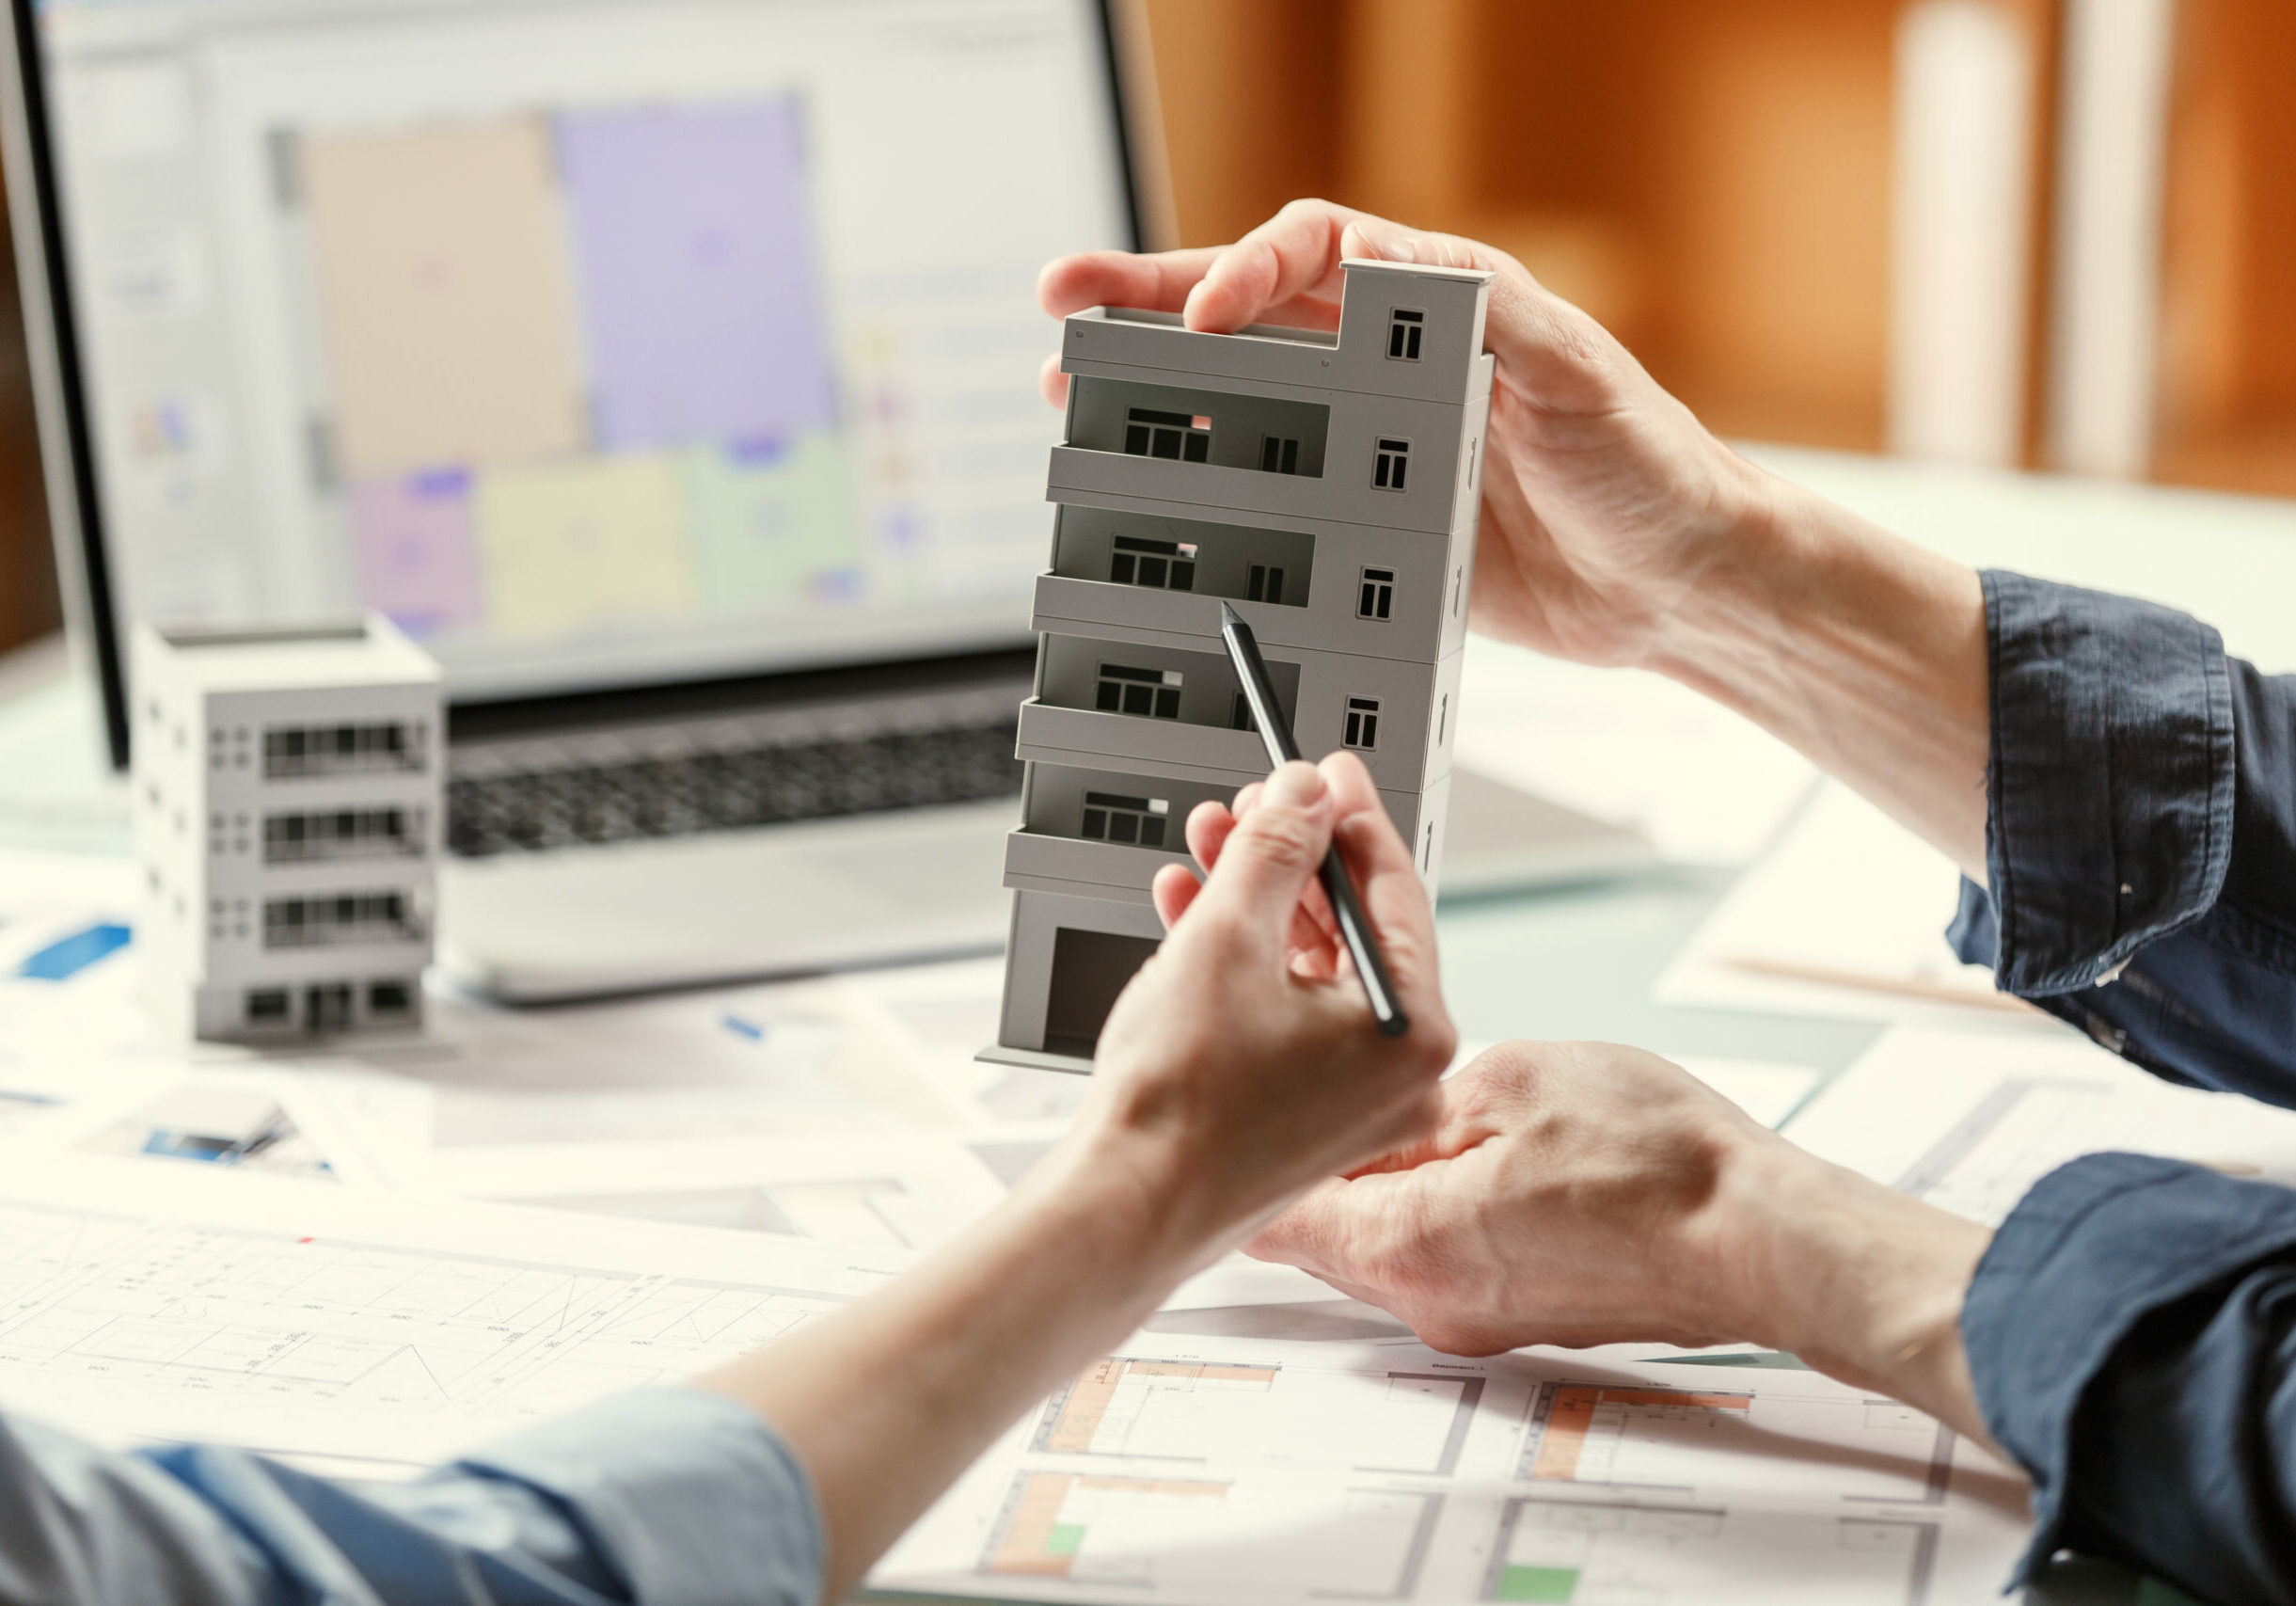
(886, 1401)
(1240, 1066)
(1859, 648)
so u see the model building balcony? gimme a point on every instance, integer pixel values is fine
(379, 747)
(1135, 707)
(1189, 556)
(336, 834)
(1269, 435)
(1101, 832)
(342, 919)
(1154, 578)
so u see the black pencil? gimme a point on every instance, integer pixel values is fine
(1346, 908)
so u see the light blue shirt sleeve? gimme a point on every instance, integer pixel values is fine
(665, 1497)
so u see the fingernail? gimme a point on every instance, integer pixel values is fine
(1299, 784)
(1387, 243)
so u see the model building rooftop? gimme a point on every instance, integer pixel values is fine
(1404, 330)
(349, 652)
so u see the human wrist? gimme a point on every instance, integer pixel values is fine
(1777, 547)
(1858, 1280)
(1135, 1197)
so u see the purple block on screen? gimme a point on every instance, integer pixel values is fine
(412, 541)
(695, 267)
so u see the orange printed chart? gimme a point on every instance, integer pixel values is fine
(1639, 1437)
(1210, 1411)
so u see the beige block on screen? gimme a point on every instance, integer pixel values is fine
(446, 297)
(575, 546)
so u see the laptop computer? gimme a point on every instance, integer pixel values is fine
(667, 370)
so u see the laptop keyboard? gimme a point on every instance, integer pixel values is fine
(542, 796)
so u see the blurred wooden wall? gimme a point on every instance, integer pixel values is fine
(1713, 181)
(1710, 182)
(2227, 414)
(28, 606)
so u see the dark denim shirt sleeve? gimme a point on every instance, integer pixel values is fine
(2131, 1331)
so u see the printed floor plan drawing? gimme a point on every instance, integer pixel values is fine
(1387, 1422)
(1586, 1554)
(351, 1325)
(352, 1344)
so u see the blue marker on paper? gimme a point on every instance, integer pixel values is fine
(740, 1027)
(64, 957)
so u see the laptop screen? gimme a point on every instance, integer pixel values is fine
(596, 341)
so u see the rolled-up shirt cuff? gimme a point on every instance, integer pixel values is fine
(2095, 1246)
(2109, 786)
(688, 1494)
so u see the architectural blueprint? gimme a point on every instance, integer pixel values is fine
(297, 1316)
(376, 1329)
(1194, 1470)
(1969, 1121)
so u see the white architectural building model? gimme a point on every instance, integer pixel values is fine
(287, 818)
(1329, 488)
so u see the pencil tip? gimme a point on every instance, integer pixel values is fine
(1228, 615)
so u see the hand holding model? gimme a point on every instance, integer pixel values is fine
(1616, 530)
(1239, 1068)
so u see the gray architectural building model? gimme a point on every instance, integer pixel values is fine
(1327, 485)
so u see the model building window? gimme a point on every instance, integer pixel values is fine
(1112, 818)
(1240, 717)
(1362, 723)
(1169, 566)
(1404, 327)
(1152, 693)
(1393, 460)
(1375, 597)
(1184, 437)
(1263, 582)
(1279, 455)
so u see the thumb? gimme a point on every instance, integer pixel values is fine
(1339, 1229)
(1546, 347)
(1269, 858)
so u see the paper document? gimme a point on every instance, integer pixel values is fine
(1241, 1471)
(1629, 747)
(774, 1062)
(67, 984)
(302, 1317)
(1844, 915)
(1970, 1121)
(881, 1190)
